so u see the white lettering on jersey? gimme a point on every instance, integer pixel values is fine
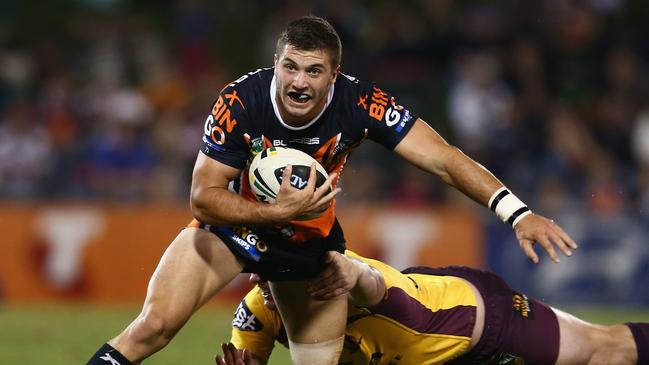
(305, 140)
(392, 117)
(245, 320)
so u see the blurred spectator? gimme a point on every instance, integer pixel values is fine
(25, 154)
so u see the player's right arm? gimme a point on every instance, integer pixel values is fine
(212, 202)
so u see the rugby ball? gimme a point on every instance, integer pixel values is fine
(267, 170)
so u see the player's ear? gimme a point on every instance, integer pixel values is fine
(275, 59)
(334, 74)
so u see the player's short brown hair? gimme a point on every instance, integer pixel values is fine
(310, 33)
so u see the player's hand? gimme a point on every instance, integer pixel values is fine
(234, 356)
(292, 203)
(535, 229)
(338, 277)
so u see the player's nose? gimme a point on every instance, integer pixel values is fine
(299, 81)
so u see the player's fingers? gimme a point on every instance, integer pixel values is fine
(286, 177)
(310, 185)
(246, 356)
(528, 249)
(326, 186)
(547, 245)
(219, 360)
(565, 237)
(560, 243)
(326, 200)
(227, 355)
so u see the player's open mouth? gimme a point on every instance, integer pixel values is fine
(298, 97)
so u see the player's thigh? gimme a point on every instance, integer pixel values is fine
(193, 268)
(307, 320)
(576, 345)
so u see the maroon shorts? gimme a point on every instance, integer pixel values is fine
(517, 330)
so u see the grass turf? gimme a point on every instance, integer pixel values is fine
(63, 335)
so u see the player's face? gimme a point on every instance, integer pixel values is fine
(269, 301)
(303, 79)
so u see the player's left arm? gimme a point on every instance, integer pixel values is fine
(425, 148)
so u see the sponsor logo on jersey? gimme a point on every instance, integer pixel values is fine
(522, 305)
(404, 120)
(245, 320)
(109, 359)
(251, 238)
(208, 143)
(305, 140)
(220, 122)
(385, 110)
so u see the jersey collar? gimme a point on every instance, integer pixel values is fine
(273, 88)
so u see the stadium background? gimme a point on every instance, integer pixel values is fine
(102, 104)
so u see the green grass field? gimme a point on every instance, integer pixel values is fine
(64, 335)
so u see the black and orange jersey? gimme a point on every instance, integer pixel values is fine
(423, 319)
(245, 119)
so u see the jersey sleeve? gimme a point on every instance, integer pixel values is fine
(223, 137)
(254, 326)
(386, 121)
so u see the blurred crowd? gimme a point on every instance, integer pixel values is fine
(106, 99)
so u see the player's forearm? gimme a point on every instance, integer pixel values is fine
(219, 206)
(468, 176)
(370, 286)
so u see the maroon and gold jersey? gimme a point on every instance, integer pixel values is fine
(245, 119)
(423, 319)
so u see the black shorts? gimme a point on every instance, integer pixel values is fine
(517, 330)
(265, 252)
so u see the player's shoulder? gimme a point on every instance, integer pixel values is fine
(351, 85)
(253, 87)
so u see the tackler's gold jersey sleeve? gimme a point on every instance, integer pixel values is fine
(423, 319)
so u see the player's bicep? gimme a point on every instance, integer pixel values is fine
(210, 174)
(425, 148)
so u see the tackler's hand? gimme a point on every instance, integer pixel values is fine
(337, 278)
(234, 356)
(534, 229)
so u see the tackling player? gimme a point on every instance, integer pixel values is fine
(425, 316)
(303, 102)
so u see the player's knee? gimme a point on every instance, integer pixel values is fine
(153, 328)
(320, 353)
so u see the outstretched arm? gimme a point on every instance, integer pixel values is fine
(426, 149)
(364, 284)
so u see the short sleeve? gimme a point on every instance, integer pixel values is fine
(386, 121)
(223, 135)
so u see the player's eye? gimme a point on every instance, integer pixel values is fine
(315, 71)
(290, 67)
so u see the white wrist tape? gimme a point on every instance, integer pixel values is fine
(508, 207)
